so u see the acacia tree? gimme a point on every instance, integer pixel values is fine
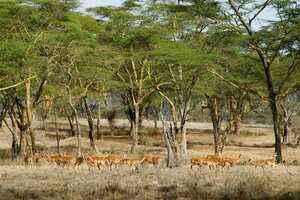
(182, 55)
(129, 38)
(275, 46)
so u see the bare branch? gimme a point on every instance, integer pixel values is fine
(246, 89)
(17, 84)
(264, 5)
(237, 12)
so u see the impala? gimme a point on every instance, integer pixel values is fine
(151, 159)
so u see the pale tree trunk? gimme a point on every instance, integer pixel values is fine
(237, 126)
(14, 143)
(183, 145)
(170, 139)
(183, 128)
(56, 130)
(91, 124)
(135, 129)
(21, 126)
(29, 117)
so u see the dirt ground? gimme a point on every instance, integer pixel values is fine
(239, 182)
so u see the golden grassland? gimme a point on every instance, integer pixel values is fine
(239, 182)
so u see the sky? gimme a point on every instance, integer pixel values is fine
(93, 3)
(267, 14)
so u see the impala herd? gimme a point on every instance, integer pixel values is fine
(92, 161)
(213, 161)
(110, 161)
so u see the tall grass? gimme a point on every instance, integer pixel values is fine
(240, 182)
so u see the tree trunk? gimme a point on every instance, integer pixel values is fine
(236, 126)
(183, 144)
(77, 123)
(273, 105)
(29, 117)
(56, 131)
(21, 126)
(14, 144)
(71, 123)
(170, 140)
(155, 124)
(3, 113)
(99, 135)
(90, 122)
(135, 129)
(216, 121)
(285, 125)
(276, 125)
(44, 124)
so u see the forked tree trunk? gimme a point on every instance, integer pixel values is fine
(215, 114)
(77, 122)
(170, 139)
(21, 126)
(90, 122)
(135, 129)
(71, 123)
(14, 143)
(29, 116)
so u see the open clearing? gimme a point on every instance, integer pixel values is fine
(239, 182)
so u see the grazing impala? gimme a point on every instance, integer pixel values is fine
(151, 159)
(265, 163)
(99, 161)
(198, 161)
(32, 159)
(113, 160)
(132, 162)
(228, 161)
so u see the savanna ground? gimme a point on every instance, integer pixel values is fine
(239, 182)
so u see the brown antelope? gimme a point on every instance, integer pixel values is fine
(151, 159)
(212, 161)
(228, 161)
(113, 160)
(52, 158)
(32, 159)
(132, 163)
(265, 163)
(60, 160)
(66, 160)
(92, 161)
(198, 161)
(79, 160)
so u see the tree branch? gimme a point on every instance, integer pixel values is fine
(17, 84)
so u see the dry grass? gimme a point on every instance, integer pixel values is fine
(240, 182)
